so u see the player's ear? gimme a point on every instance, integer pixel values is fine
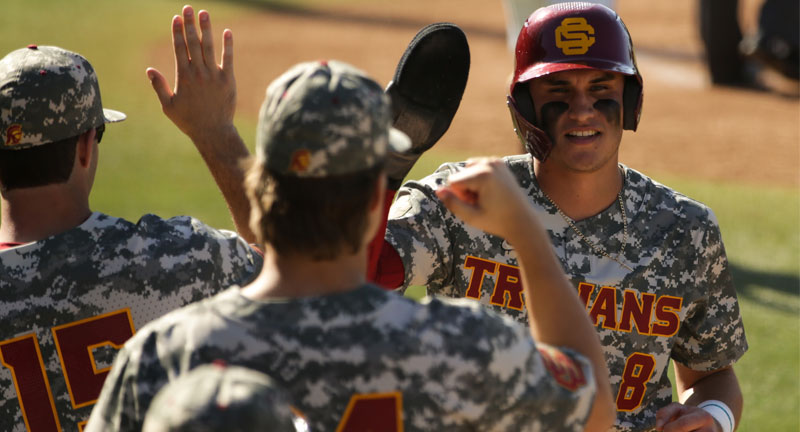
(85, 148)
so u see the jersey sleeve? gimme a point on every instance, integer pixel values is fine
(712, 334)
(418, 230)
(130, 386)
(507, 381)
(551, 389)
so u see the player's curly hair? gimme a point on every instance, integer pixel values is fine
(317, 217)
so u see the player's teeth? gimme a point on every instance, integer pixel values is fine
(583, 133)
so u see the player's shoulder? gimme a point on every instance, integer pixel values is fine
(174, 327)
(487, 327)
(83, 242)
(180, 227)
(520, 161)
(524, 161)
(437, 178)
(446, 315)
(185, 234)
(658, 198)
(150, 227)
(521, 165)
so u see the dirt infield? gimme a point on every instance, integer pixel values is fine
(687, 128)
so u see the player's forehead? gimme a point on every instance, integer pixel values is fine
(576, 77)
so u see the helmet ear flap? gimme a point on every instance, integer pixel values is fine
(524, 102)
(631, 103)
(523, 115)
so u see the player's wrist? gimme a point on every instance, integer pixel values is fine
(721, 413)
(211, 136)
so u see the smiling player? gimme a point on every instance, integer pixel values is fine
(648, 262)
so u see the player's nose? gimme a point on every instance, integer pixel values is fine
(581, 107)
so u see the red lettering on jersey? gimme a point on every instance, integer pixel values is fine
(605, 305)
(584, 291)
(75, 343)
(23, 358)
(652, 315)
(480, 267)
(639, 369)
(638, 312)
(508, 282)
(373, 412)
(565, 371)
(667, 319)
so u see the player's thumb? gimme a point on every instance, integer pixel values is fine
(160, 86)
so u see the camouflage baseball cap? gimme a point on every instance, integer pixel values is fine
(48, 94)
(325, 118)
(216, 398)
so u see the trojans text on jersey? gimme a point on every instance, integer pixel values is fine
(648, 313)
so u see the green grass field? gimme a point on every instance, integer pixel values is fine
(148, 166)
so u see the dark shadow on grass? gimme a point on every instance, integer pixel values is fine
(747, 280)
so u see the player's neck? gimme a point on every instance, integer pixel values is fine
(33, 214)
(580, 194)
(301, 276)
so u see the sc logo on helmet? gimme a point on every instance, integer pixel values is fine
(573, 36)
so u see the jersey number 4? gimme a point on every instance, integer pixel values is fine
(373, 412)
(75, 343)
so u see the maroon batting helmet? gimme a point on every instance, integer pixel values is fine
(568, 36)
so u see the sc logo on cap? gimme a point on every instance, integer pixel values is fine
(13, 135)
(573, 36)
(300, 161)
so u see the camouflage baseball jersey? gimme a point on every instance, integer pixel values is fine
(366, 359)
(677, 302)
(68, 301)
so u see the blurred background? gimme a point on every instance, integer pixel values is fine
(733, 145)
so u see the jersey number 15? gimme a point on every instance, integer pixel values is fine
(75, 343)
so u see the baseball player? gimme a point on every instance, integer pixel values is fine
(647, 262)
(351, 355)
(75, 284)
(220, 398)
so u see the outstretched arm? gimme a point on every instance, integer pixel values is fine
(485, 194)
(202, 106)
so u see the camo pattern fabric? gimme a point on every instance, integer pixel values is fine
(448, 365)
(48, 94)
(67, 300)
(327, 118)
(677, 302)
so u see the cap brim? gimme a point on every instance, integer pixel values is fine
(112, 116)
(398, 141)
